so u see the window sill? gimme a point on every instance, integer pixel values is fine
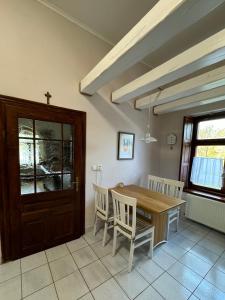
(205, 195)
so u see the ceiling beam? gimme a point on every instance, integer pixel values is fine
(204, 54)
(204, 82)
(203, 98)
(158, 26)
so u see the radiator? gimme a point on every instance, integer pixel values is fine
(205, 211)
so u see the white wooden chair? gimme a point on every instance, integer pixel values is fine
(155, 183)
(173, 188)
(102, 210)
(136, 230)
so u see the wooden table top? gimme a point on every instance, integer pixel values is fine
(149, 200)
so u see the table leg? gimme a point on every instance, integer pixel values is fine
(160, 223)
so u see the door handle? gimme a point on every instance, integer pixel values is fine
(76, 183)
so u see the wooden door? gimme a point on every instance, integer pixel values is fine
(44, 153)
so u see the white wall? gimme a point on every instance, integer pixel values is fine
(41, 51)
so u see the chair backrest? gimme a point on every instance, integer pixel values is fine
(101, 200)
(155, 183)
(173, 188)
(124, 208)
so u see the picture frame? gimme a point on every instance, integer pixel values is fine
(126, 141)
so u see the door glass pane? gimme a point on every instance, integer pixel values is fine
(67, 132)
(67, 181)
(26, 154)
(211, 129)
(48, 157)
(67, 157)
(48, 130)
(25, 128)
(27, 185)
(45, 156)
(49, 183)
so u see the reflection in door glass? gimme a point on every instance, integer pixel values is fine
(67, 181)
(46, 158)
(67, 157)
(48, 130)
(49, 183)
(26, 154)
(67, 132)
(27, 185)
(25, 128)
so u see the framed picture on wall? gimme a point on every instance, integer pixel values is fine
(125, 145)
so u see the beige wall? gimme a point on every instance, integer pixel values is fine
(173, 123)
(40, 51)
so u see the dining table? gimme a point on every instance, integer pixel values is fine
(154, 203)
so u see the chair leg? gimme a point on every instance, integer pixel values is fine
(114, 241)
(95, 225)
(177, 222)
(151, 246)
(168, 229)
(131, 256)
(104, 235)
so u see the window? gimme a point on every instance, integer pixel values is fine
(203, 154)
(45, 156)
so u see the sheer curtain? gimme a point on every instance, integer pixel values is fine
(207, 172)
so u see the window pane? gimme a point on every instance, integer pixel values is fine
(25, 128)
(212, 129)
(48, 183)
(26, 154)
(208, 166)
(67, 181)
(67, 156)
(67, 132)
(48, 157)
(48, 130)
(27, 185)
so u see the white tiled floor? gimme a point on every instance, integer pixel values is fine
(191, 265)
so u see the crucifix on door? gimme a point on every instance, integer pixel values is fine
(48, 97)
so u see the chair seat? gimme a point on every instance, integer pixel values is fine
(142, 228)
(142, 225)
(103, 217)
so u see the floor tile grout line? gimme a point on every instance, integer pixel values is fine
(35, 268)
(21, 278)
(177, 260)
(13, 277)
(113, 276)
(101, 282)
(38, 290)
(81, 275)
(53, 280)
(203, 277)
(125, 290)
(57, 257)
(165, 271)
(86, 264)
(183, 284)
(108, 268)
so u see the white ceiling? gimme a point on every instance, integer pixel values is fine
(112, 19)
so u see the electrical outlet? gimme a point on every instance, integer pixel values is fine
(94, 168)
(99, 167)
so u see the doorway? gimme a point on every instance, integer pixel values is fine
(42, 178)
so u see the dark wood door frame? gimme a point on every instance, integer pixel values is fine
(6, 230)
